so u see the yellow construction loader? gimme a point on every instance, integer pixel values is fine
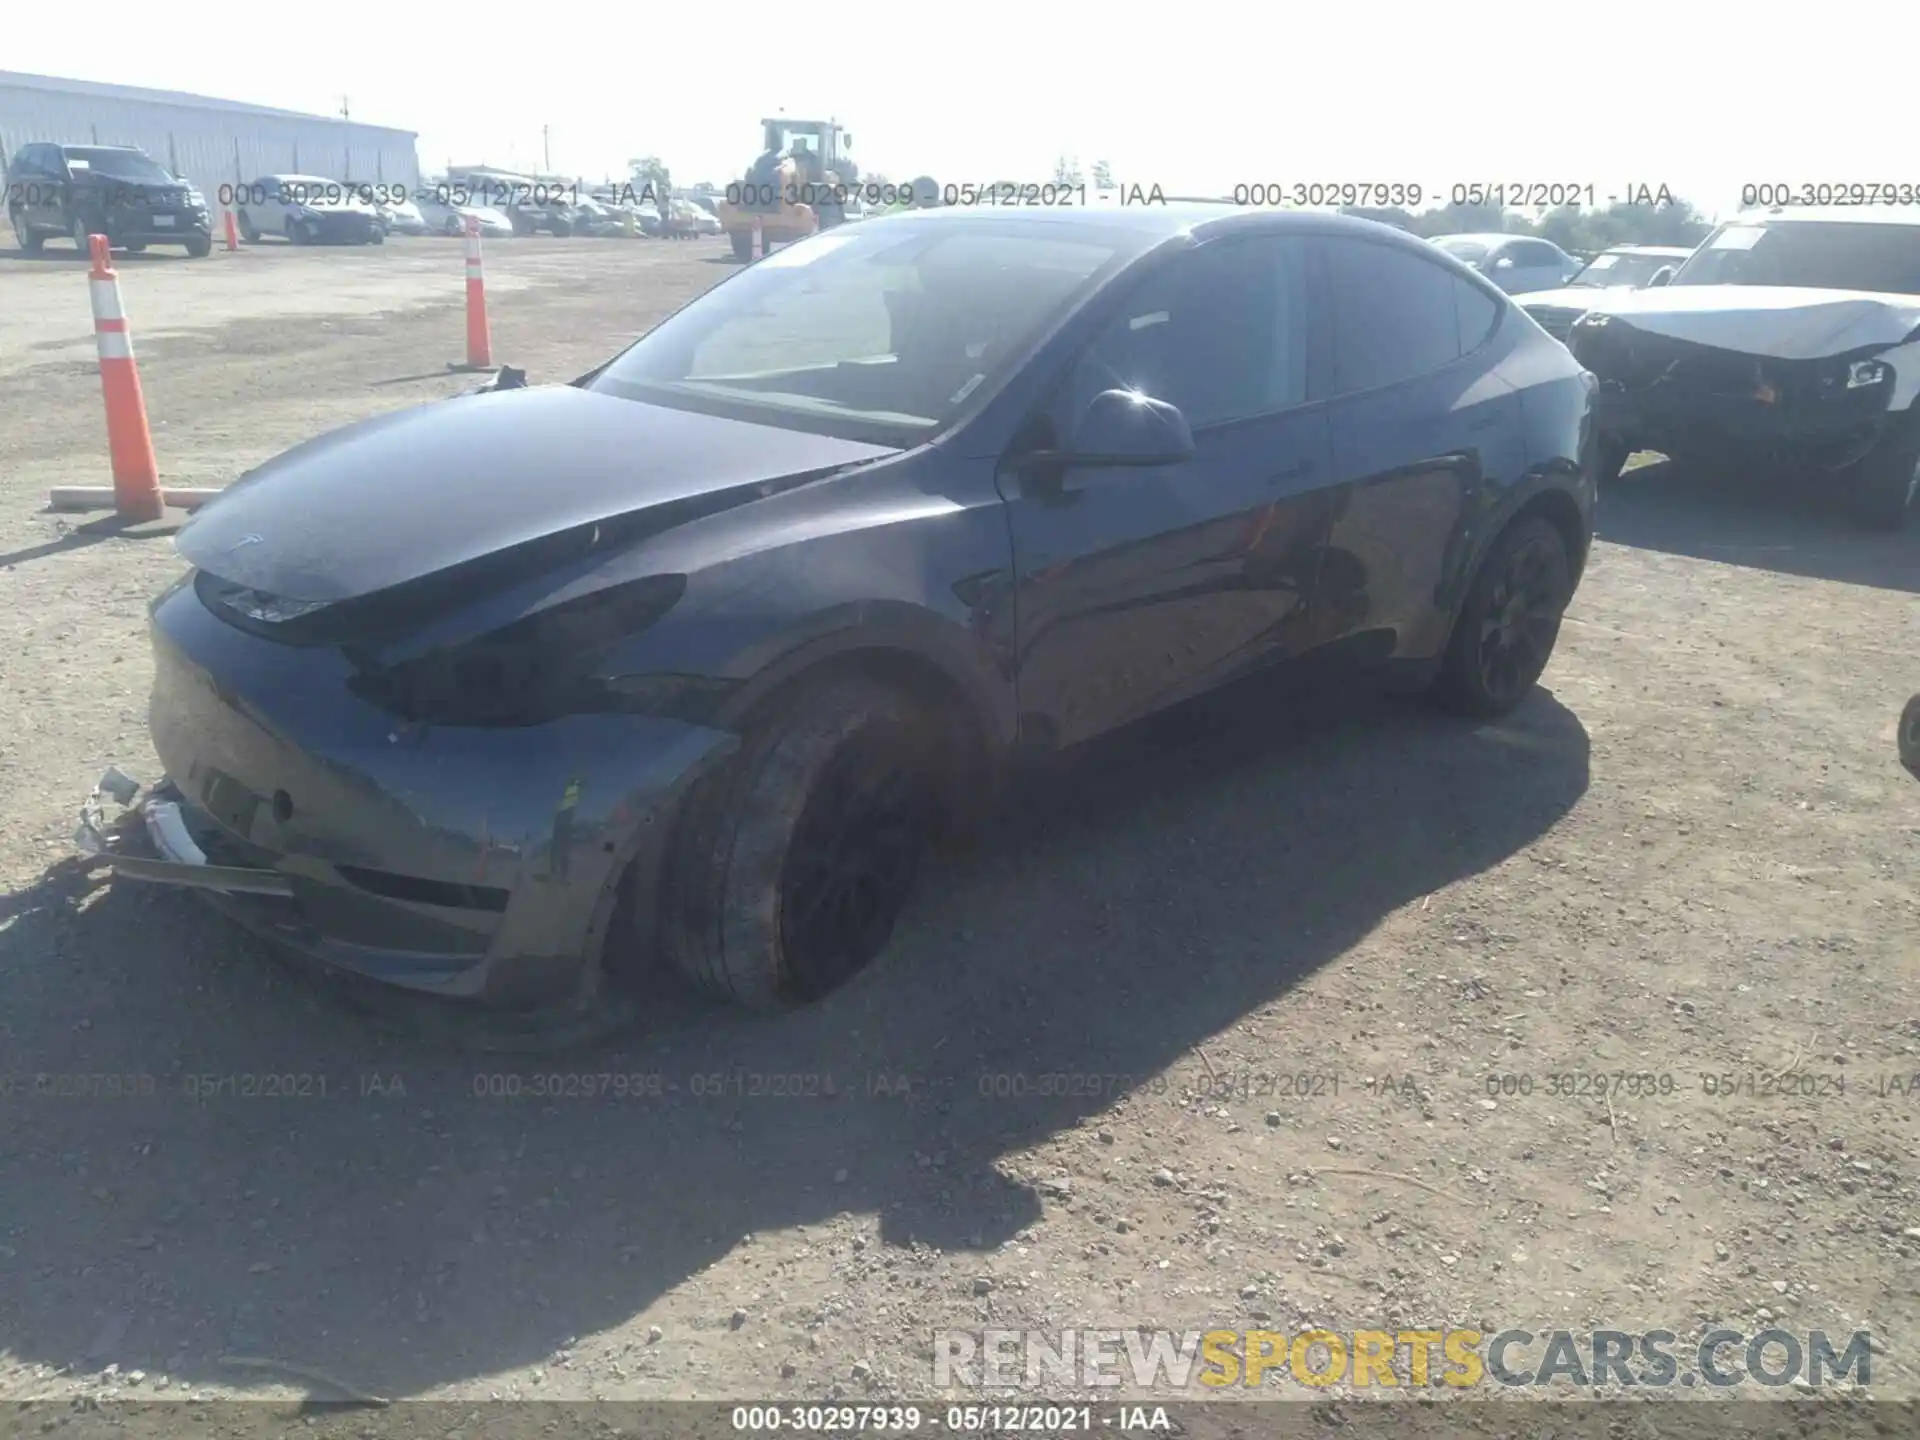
(801, 183)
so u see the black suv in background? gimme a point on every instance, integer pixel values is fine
(113, 190)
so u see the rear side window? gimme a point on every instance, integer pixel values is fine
(1475, 313)
(1395, 315)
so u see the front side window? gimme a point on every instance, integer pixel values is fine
(881, 331)
(1395, 315)
(1836, 255)
(1220, 332)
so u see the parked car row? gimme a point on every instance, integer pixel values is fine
(73, 191)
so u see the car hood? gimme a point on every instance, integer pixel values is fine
(1573, 297)
(1780, 322)
(402, 496)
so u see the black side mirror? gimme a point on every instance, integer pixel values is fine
(1662, 276)
(1124, 427)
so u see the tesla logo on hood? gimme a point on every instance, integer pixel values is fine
(244, 541)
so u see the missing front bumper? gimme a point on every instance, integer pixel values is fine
(149, 841)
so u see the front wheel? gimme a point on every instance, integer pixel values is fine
(1505, 632)
(249, 231)
(200, 246)
(30, 239)
(81, 236)
(1910, 737)
(742, 244)
(792, 863)
(1885, 486)
(377, 236)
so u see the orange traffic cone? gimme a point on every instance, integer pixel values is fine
(233, 232)
(136, 475)
(479, 342)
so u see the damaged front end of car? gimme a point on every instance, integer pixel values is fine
(1704, 404)
(404, 786)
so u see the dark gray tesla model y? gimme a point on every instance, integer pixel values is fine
(497, 696)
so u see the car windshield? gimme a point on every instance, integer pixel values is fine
(879, 332)
(1471, 251)
(1836, 255)
(1617, 269)
(118, 164)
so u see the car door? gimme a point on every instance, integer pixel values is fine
(1138, 586)
(269, 214)
(1419, 423)
(48, 207)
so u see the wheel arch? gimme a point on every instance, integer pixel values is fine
(973, 728)
(1558, 509)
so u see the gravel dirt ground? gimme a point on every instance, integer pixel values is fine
(1208, 1030)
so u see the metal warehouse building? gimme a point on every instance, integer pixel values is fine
(210, 142)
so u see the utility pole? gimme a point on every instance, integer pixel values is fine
(343, 109)
(546, 153)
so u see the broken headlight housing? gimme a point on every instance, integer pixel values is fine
(1866, 372)
(540, 668)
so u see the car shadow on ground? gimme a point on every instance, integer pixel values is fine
(1790, 529)
(170, 1203)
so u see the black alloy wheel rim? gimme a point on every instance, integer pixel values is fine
(851, 863)
(1521, 620)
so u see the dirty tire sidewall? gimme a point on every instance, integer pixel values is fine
(1461, 687)
(1885, 488)
(723, 925)
(1910, 737)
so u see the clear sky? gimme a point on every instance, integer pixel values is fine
(1196, 96)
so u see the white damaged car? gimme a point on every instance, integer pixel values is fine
(1788, 343)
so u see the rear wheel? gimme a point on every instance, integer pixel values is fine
(742, 244)
(1506, 630)
(792, 863)
(1910, 736)
(81, 232)
(200, 246)
(1884, 488)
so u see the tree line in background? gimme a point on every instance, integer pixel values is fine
(1573, 229)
